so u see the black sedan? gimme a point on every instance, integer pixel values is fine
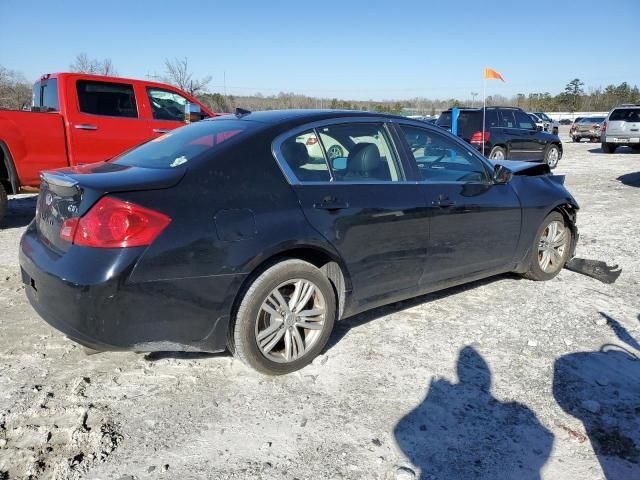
(240, 233)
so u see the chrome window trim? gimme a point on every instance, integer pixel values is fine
(293, 180)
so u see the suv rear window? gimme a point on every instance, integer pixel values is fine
(625, 115)
(106, 98)
(469, 121)
(182, 146)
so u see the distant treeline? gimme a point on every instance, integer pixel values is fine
(15, 93)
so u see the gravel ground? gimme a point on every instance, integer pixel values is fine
(503, 378)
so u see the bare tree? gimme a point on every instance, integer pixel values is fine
(15, 91)
(84, 64)
(177, 74)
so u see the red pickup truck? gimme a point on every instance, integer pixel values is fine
(78, 118)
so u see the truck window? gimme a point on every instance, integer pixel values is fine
(45, 94)
(106, 98)
(166, 105)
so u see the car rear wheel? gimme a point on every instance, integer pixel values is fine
(576, 139)
(498, 153)
(3, 202)
(550, 249)
(608, 148)
(285, 318)
(552, 156)
(555, 130)
(335, 151)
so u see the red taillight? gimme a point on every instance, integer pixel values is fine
(603, 128)
(311, 141)
(476, 137)
(113, 223)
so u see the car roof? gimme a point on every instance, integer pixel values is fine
(276, 117)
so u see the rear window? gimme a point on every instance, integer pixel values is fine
(107, 98)
(45, 95)
(469, 121)
(625, 115)
(182, 146)
(592, 120)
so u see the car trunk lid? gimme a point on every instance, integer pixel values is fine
(71, 192)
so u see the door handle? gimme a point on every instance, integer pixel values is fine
(331, 203)
(161, 130)
(443, 202)
(84, 126)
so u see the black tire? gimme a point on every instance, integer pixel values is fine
(576, 139)
(608, 147)
(535, 271)
(243, 338)
(498, 151)
(3, 202)
(549, 157)
(555, 130)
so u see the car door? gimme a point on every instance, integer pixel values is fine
(105, 120)
(474, 223)
(360, 203)
(530, 138)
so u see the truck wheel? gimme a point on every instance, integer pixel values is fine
(608, 147)
(3, 202)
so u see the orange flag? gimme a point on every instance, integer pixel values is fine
(490, 73)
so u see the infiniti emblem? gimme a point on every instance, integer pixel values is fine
(48, 199)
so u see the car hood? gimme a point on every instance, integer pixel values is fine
(524, 168)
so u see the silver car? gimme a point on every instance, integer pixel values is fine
(622, 128)
(549, 124)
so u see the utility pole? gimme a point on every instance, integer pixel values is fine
(473, 98)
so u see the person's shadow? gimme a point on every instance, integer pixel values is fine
(460, 431)
(602, 389)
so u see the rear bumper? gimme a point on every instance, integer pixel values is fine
(86, 294)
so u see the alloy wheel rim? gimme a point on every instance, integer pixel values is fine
(334, 152)
(290, 321)
(553, 157)
(552, 247)
(497, 155)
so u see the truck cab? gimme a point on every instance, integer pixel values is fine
(77, 118)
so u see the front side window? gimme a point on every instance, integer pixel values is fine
(167, 105)
(440, 159)
(524, 121)
(360, 152)
(106, 98)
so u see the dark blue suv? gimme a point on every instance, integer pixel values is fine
(509, 134)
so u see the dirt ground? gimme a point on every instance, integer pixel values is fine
(500, 379)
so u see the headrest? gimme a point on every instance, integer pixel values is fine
(364, 158)
(295, 153)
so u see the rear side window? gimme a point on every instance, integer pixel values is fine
(181, 147)
(45, 95)
(508, 119)
(304, 156)
(106, 98)
(444, 120)
(625, 115)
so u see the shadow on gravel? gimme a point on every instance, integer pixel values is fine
(602, 390)
(618, 150)
(342, 327)
(630, 179)
(461, 431)
(155, 356)
(20, 212)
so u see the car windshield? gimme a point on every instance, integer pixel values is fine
(543, 116)
(183, 145)
(625, 115)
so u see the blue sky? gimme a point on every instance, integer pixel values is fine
(347, 49)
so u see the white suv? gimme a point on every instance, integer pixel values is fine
(622, 128)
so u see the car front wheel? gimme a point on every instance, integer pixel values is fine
(285, 318)
(552, 156)
(550, 249)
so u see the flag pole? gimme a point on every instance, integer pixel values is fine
(484, 106)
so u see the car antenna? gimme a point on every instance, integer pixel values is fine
(241, 112)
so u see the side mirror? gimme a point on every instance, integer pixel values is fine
(502, 174)
(192, 112)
